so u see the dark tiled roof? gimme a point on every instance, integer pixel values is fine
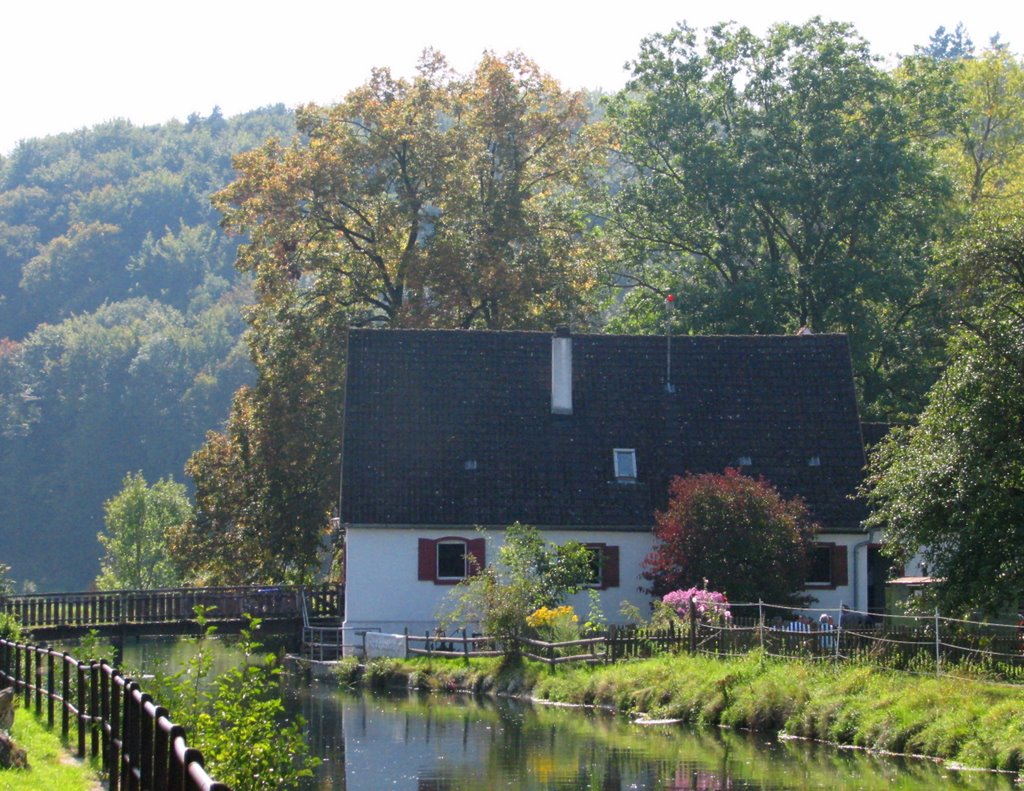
(422, 406)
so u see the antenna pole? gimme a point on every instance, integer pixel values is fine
(670, 303)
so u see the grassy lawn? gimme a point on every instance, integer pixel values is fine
(50, 766)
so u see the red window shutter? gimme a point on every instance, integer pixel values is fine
(427, 560)
(477, 547)
(839, 573)
(610, 567)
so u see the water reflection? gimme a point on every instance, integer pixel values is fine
(456, 743)
(440, 743)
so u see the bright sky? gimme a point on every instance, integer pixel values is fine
(67, 64)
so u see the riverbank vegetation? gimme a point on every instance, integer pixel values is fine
(964, 719)
(49, 764)
(238, 715)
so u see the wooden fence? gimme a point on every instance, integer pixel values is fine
(169, 605)
(923, 644)
(138, 744)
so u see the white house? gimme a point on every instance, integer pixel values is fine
(450, 431)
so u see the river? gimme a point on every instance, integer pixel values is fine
(432, 742)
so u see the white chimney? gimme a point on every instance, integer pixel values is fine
(561, 372)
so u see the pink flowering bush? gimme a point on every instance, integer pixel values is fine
(709, 605)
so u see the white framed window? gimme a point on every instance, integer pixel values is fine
(451, 560)
(625, 463)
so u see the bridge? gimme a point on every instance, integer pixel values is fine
(283, 609)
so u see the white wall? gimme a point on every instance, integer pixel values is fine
(855, 594)
(382, 592)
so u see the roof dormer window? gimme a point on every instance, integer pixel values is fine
(625, 464)
(745, 461)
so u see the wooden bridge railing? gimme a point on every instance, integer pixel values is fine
(170, 605)
(138, 744)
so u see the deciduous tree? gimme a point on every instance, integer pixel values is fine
(776, 184)
(136, 521)
(734, 533)
(444, 200)
(952, 485)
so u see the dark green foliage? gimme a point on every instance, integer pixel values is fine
(79, 214)
(132, 386)
(949, 44)
(954, 482)
(121, 311)
(775, 184)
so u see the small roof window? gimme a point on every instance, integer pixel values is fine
(814, 461)
(745, 461)
(625, 463)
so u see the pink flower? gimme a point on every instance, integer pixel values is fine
(707, 604)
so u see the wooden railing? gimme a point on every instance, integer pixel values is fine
(921, 643)
(138, 744)
(169, 605)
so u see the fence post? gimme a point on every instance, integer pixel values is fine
(65, 696)
(50, 683)
(938, 645)
(80, 668)
(116, 706)
(760, 624)
(161, 749)
(693, 627)
(105, 670)
(39, 679)
(95, 722)
(28, 676)
(465, 646)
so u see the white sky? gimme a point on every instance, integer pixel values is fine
(67, 64)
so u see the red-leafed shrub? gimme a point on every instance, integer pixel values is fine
(734, 533)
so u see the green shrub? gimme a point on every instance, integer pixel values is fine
(237, 718)
(380, 672)
(346, 671)
(10, 628)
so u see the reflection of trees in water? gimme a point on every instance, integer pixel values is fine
(442, 743)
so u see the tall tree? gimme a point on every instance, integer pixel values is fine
(949, 44)
(986, 149)
(134, 539)
(776, 185)
(444, 200)
(953, 484)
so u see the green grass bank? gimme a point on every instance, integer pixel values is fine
(966, 720)
(50, 766)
